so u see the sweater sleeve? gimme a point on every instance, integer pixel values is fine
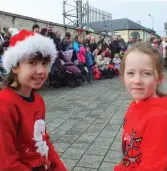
(56, 163)
(154, 146)
(9, 157)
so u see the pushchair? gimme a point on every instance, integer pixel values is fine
(64, 72)
(107, 70)
(84, 71)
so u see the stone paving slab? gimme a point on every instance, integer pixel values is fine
(85, 123)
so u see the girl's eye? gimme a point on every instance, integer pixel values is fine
(147, 73)
(130, 73)
(32, 62)
(45, 63)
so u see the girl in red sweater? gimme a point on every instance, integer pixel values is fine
(144, 138)
(24, 143)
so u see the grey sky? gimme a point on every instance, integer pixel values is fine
(51, 10)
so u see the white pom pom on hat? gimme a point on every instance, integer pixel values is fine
(27, 43)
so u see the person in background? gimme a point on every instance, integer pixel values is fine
(87, 41)
(101, 60)
(89, 64)
(57, 40)
(130, 42)
(116, 61)
(97, 51)
(66, 42)
(93, 44)
(114, 46)
(36, 28)
(49, 27)
(44, 31)
(76, 46)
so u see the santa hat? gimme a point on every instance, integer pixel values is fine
(27, 43)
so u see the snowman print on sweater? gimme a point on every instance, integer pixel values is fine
(40, 138)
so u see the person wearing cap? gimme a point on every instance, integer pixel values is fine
(24, 142)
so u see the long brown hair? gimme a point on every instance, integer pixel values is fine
(155, 56)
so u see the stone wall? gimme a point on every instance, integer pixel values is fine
(20, 22)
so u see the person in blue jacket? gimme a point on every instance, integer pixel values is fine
(89, 64)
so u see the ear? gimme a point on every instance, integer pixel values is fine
(161, 79)
(15, 70)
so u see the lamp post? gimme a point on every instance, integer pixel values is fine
(152, 20)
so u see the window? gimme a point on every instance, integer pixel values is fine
(135, 35)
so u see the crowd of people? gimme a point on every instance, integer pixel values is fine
(81, 60)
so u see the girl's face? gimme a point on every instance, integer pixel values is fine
(141, 80)
(31, 74)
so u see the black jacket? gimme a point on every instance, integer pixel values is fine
(114, 47)
(56, 40)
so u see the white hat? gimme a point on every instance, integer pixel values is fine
(27, 43)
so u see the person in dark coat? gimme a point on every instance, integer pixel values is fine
(66, 43)
(58, 40)
(93, 44)
(114, 47)
(86, 42)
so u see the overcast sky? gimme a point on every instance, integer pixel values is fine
(136, 10)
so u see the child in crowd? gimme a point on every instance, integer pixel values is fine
(24, 143)
(89, 64)
(144, 138)
(116, 61)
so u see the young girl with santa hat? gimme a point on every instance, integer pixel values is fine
(24, 143)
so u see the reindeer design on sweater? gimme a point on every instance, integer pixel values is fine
(130, 148)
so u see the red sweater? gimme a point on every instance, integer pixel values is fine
(22, 129)
(144, 140)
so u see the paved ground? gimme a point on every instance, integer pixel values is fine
(85, 124)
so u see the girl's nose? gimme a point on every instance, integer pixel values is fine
(40, 69)
(138, 79)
